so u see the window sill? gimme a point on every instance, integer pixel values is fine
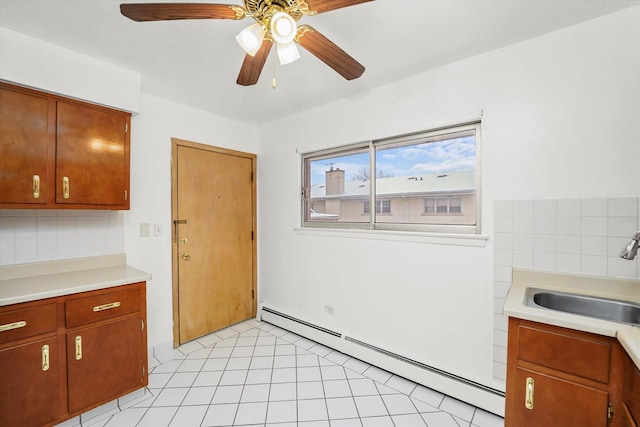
(475, 240)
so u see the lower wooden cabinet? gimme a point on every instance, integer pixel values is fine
(104, 362)
(631, 395)
(63, 356)
(31, 379)
(545, 400)
(558, 377)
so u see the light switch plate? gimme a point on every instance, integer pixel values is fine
(144, 230)
(157, 230)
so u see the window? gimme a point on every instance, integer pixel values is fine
(424, 182)
(382, 206)
(443, 206)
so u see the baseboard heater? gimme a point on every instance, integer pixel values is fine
(302, 322)
(387, 353)
(426, 367)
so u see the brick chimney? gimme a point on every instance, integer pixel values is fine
(334, 181)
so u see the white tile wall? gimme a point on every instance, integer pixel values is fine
(570, 236)
(47, 235)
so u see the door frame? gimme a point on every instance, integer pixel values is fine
(175, 143)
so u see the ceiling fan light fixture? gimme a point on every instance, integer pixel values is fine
(250, 39)
(283, 28)
(288, 53)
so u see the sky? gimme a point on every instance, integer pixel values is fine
(450, 155)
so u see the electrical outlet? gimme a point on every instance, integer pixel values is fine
(328, 309)
(144, 230)
(157, 230)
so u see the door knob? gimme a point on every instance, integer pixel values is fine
(186, 256)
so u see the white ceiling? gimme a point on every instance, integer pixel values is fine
(196, 62)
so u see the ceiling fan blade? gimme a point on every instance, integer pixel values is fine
(329, 52)
(253, 65)
(321, 6)
(142, 12)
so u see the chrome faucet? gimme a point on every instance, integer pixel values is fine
(631, 250)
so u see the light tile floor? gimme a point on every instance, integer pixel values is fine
(255, 374)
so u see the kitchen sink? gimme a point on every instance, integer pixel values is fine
(584, 305)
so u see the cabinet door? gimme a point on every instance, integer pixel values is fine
(557, 402)
(30, 384)
(632, 394)
(26, 141)
(104, 362)
(92, 156)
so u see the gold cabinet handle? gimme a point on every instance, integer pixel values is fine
(45, 357)
(528, 397)
(186, 256)
(65, 187)
(78, 347)
(107, 306)
(14, 325)
(36, 186)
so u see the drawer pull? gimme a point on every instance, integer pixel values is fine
(45, 357)
(65, 187)
(528, 398)
(78, 347)
(107, 306)
(14, 325)
(36, 186)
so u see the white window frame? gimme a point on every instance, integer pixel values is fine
(408, 139)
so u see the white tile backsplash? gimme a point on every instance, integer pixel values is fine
(580, 236)
(567, 244)
(594, 226)
(46, 235)
(545, 208)
(523, 224)
(594, 207)
(523, 207)
(620, 226)
(569, 207)
(593, 245)
(568, 226)
(623, 207)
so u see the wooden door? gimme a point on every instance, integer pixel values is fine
(214, 246)
(92, 154)
(27, 138)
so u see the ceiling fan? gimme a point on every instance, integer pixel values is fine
(275, 22)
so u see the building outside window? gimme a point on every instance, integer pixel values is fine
(425, 182)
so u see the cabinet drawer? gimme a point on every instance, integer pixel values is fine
(27, 322)
(103, 306)
(565, 351)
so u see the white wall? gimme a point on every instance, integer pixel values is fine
(152, 130)
(28, 61)
(559, 121)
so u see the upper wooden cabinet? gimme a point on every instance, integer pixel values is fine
(27, 146)
(58, 153)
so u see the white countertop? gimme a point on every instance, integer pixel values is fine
(622, 289)
(34, 281)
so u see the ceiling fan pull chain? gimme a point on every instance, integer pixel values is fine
(274, 82)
